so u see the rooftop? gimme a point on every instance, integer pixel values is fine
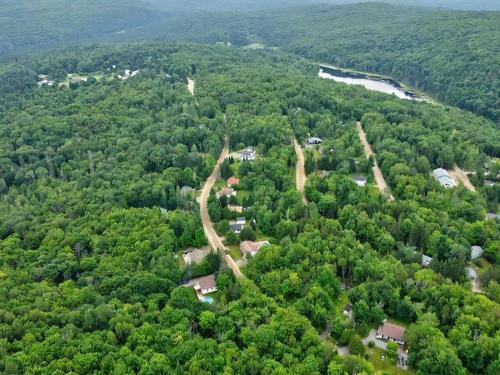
(207, 282)
(392, 330)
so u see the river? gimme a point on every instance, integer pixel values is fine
(371, 82)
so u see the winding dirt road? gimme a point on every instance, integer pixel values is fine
(377, 173)
(300, 172)
(213, 239)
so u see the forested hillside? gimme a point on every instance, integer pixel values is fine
(97, 207)
(451, 55)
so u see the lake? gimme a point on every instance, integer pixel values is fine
(371, 82)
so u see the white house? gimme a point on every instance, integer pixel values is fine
(205, 284)
(391, 332)
(444, 178)
(359, 180)
(248, 154)
(314, 141)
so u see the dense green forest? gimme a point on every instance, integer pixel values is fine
(90, 272)
(451, 55)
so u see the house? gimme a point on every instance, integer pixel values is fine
(359, 180)
(228, 192)
(205, 284)
(241, 220)
(252, 247)
(248, 154)
(348, 311)
(313, 141)
(232, 181)
(476, 252)
(235, 208)
(236, 228)
(391, 332)
(444, 178)
(195, 256)
(426, 260)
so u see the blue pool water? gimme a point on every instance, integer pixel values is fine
(208, 300)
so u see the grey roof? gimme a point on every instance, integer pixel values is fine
(492, 215)
(476, 252)
(314, 140)
(472, 273)
(443, 177)
(236, 227)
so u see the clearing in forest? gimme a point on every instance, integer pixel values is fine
(300, 173)
(190, 85)
(459, 175)
(377, 173)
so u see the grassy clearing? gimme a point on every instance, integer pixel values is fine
(384, 366)
(234, 251)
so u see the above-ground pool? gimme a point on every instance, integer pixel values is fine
(208, 300)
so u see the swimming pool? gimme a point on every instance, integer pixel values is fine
(208, 300)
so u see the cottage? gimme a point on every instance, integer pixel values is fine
(359, 180)
(426, 260)
(476, 252)
(228, 192)
(205, 284)
(233, 181)
(248, 154)
(252, 247)
(313, 141)
(444, 178)
(391, 332)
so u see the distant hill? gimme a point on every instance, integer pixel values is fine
(27, 25)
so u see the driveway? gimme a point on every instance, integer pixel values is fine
(371, 337)
(300, 172)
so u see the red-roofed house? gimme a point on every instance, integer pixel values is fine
(232, 181)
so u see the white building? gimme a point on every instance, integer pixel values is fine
(248, 154)
(476, 252)
(444, 178)
(205, 284)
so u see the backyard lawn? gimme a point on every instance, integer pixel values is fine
(384, 366)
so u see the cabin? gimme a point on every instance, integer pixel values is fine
(391, 332)
(314, 141)
(444, 178)
(252, 247)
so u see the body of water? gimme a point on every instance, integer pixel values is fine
(380, 84)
